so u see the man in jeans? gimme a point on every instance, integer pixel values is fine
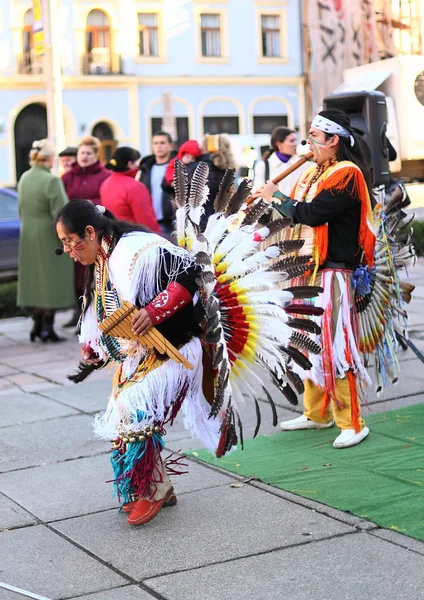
(153, 168)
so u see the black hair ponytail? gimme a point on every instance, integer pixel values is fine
(77, 215)
(358, 153)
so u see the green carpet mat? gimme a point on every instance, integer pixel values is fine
(381, 479)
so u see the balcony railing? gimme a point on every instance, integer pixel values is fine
(28, 64)
(102, 63)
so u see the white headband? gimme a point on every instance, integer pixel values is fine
(329, 126)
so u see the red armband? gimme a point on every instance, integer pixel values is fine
(168, 303)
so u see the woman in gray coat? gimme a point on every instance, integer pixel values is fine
(45, 280)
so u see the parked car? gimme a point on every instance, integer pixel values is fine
(9, 233)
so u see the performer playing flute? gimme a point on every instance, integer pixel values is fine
(330, 207)
(126, 262)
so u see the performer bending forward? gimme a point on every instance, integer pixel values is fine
(125, 262)
(331, 210)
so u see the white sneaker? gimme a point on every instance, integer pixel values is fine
(303, 422)
(349, 437)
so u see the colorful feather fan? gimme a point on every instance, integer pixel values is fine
(253, 331)
(379, 300)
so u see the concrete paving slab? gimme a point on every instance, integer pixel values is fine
(7, 386)
(6, 370)
(38, 560)
(400, 540)
(12, 515)
(199, 477)
(208, 526)
(386, 405)
(29, 408)
(129, 592)
(351, 567)
(47, 442)
(76, 487)
(89, 397)
(80, 487)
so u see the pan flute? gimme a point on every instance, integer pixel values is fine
(119, 325)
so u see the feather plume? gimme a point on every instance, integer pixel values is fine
(304, 309)
(228, 436)
(180, 184)
(218, 356)
(294, 271)
(286, 389)
(198, 192)
(303, 342)
(297, 356)
(204, 278)
(83, 371)
(213, 337)
(296, 381)
(202, 258)
(272, 405)
(288, 246)
(220, 385)
(225, 191)
(290, 261)
(277, 225)
(238, 197)
(304, 325)
(305, 291)
(240, 428)
(255, 213)
(258, 418)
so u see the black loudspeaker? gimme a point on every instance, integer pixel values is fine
(368, 115)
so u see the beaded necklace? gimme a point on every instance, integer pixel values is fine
(106, 297)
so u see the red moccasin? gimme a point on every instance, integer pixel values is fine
(172, 501)
(145, 510)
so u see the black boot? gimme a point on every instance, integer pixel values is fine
(48, 333)
(37, 327)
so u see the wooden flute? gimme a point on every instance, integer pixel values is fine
(287, 172)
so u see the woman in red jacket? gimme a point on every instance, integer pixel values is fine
(128, 199)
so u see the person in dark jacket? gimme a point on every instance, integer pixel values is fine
(153, 169)
(67, 159)
(83, 182)
(128, 199)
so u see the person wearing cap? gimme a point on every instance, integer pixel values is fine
(127, 199)
(67, 158)
(330, 208)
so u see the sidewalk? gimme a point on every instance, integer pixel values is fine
(62, 536)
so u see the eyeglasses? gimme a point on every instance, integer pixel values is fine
(73, 245)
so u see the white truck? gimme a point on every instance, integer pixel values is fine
(401, 79)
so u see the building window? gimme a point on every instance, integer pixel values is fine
(270, 36)
(267, 123)
(28, 62)
(210, 34)
(148, 38)
(214, 125)
(182, 129)
(97, 58)
(104, 132)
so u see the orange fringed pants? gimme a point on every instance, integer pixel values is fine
(319, 407)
